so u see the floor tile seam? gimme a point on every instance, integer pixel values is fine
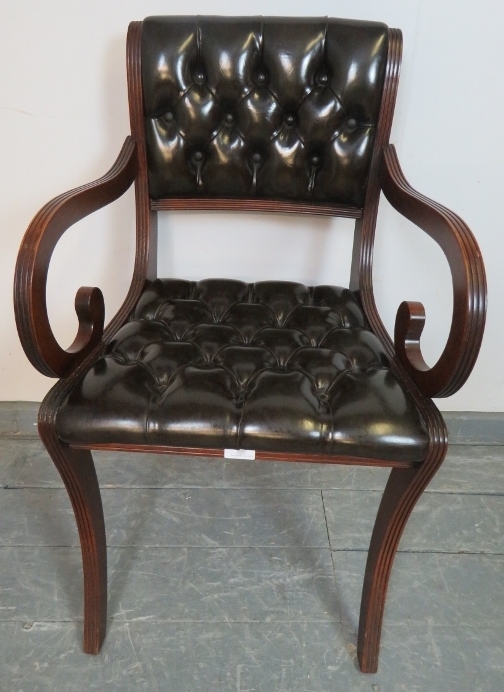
(112, 546)
(157, 546)
(427, 622)
(325, 518)
(432, 491)
(328, 537)
(146, 619)
(432, 551)
(76, 546)
(180, 488)
(180, 546)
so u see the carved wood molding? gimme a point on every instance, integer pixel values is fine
(254, 205)
(469, 288)
(32, 268)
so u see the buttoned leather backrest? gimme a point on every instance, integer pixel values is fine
(244, 107)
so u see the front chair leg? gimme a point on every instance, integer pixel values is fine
(77, 470)
(402, 491)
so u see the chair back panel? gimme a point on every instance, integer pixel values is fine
(250, 107)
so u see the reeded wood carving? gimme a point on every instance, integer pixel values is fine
(32, 266)
(469, 288)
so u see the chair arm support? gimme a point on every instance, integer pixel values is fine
(32, 267)
(469, 288)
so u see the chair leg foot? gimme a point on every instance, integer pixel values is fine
(402, 491)
(77, 470)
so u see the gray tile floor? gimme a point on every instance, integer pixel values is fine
(246, 576)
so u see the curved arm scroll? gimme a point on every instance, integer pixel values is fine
(469, 288)
(32, 267)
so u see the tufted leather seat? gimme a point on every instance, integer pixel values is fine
(258, 114)
(273, 366)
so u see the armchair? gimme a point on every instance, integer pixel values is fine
(252, 114)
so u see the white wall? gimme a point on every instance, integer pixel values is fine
(63, 117)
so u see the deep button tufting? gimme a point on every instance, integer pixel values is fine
(180, 315)
(166, 359)
(280, 296)
(282, 343)
(249, 319)
(198, 160)
(211, 338)
(229, 118)
(289, 85)
(220, 296)
(270, 366)
(168, 117)
(256, 158)
(315, 161)
(199, 77)
(244, 362)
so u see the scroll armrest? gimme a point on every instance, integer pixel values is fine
(469, 288)
(32, 267)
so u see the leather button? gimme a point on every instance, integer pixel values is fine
(199, 77)
(260, 78)
(289, 119)
(256, 158)
(168, 117)
(322, 79)
(352, 123)
(229, 118)
(198, 156)
(315, 160)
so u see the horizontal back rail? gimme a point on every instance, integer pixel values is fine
(266, 205)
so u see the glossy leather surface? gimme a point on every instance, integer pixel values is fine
(278, 108)
(273, 366)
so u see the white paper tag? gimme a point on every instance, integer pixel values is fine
(239, 454)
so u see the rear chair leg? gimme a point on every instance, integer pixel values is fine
(402, 491)
(77, 470)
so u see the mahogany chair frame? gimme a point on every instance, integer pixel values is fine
(406, 481)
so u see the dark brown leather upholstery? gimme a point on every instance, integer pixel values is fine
(274, 366)
(266, 107)
(276, 114)
(244, 107)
